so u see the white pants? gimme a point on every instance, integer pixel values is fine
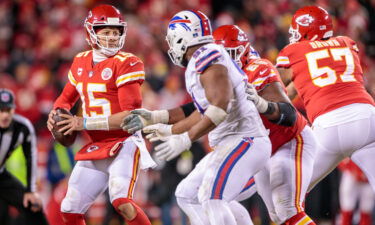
(348, 131)
(222, 174)
(353, 191)
(91, 178)
(283, 183)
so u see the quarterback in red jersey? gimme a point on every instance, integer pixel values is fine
(327, 75)
(108, 83)
(293, 144)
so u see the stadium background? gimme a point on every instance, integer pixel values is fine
(39, 38)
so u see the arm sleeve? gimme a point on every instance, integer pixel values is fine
(206, 59)
(68, 97)
(30, 151)
(131, 70)
(282, 60)
(130, 96)
(266, 74)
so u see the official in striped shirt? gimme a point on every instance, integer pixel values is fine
(15, 131)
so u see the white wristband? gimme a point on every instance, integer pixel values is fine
(160, 116)
(262, 105)
(216, 114)
(96, 123)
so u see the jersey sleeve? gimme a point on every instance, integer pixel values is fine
(68, 97)
(129, 96)
(206, 57)
(283, 59)
(131, 69)
(265, 73)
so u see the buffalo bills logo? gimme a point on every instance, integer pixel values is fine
(304, 20)
(178, 20)
(249, 140)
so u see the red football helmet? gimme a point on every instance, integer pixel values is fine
(310, 23)
(103, 16)
(236, 42)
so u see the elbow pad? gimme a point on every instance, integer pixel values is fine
(288, 115)
(188, 108)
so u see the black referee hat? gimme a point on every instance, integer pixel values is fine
(6, 98)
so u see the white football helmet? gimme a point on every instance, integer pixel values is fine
(187, 28)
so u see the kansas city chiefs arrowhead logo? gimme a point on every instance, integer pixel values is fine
(304, 20)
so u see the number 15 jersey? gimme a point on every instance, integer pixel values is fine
(326, 74)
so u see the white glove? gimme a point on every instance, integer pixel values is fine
(260, 103)
(139, 118)
(173, 146)
(158, 132)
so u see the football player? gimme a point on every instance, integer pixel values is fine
(327, 74)
(284, 182)
(108, 82)
(354, 188)
(235, 130)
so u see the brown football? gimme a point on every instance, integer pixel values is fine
(65, 140)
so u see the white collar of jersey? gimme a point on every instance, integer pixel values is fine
(97, 57)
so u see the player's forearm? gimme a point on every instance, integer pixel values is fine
(112, 122)
(115, 120)
(204, 126)
(186, 124)
(175, 115)
(181, 112)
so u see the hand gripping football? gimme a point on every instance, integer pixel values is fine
(65, 140)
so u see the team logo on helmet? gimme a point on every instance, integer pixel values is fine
(178, 20)
(304, 20)
(106, 73)
(242, 36)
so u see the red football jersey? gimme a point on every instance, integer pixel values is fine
(326, 74)
(261, 72)
(105, 88)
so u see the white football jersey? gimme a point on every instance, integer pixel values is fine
(243, 118)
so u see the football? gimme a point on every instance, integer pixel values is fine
(65, 140)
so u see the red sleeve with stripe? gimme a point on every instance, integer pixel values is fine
(129, 95)
(68, 97)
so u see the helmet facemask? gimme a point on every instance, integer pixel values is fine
(177, 49)
(295, 36)
(103, 42)
(236, 53)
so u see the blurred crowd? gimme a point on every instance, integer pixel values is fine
(39, 38)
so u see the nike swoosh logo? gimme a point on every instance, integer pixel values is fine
(133, 63)
(262, 72)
